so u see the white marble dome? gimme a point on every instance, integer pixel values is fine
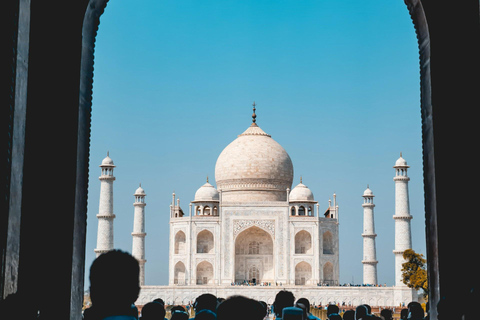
(301, 193)
(107, 161)
(207, 192)
(368, 193)
(139, 191)
(401, 162)
(254, 167)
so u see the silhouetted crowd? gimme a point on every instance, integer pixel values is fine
(114, 288)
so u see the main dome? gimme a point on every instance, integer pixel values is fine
(254, 167)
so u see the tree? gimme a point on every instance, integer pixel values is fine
(414, 273)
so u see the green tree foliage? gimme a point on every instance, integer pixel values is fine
(414, 271)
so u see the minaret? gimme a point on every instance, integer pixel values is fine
(105, 211)
(403, 235)
(138, 234)
(369, 250)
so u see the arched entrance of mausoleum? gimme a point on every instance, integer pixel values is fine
(254, 256)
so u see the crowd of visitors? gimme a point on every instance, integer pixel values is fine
(114, 288)
(254, 283)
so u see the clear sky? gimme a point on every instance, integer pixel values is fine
(336, 84)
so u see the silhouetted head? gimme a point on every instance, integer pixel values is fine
(178, 313)
(386, 314)
(283, 299)
(205, 301)
(305, 302)
(334, 316)
(403, 314)
(349, 315)
(332, 308)
(240, 308)
(361, 312)
(159, 300)
(114, 280)
(153, 311)
(177, 308)
(369, 309)
(415, 311)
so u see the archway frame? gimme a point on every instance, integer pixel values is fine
(90, 27)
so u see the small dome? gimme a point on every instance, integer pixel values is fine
(207, 192)
(301, 193)
(368, 193)
(107, 161)
(401, 162)
(139, 191)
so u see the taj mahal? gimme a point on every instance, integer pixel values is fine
(255, 233)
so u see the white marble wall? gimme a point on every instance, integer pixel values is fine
(190, 246)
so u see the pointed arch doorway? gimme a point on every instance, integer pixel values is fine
(254, 261)
(253, 274)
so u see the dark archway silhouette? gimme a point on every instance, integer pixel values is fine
(46, 92)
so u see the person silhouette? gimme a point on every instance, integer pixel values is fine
(178, 313)
(114, 287)
(283, 299)
(240, 308)
(334, 316)
(153, 311)
(306, 303)
(387, 314)
(205, 301)
(332, 308)
(361, 312)
(349, 315)
(415, 311)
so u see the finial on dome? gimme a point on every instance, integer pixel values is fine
(254, 116)
(207, 178)
(400, 154)
(301, 179)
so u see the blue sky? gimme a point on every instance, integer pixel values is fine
(336, 84)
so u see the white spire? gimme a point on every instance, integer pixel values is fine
(105, 212)
(138, 234)
(402, 217)
(369, 249)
